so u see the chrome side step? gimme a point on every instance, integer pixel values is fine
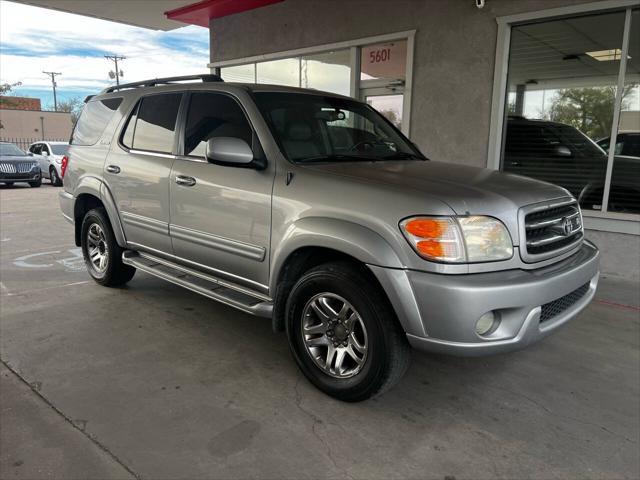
(224, 292)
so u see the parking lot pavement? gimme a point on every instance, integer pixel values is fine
(157, 382)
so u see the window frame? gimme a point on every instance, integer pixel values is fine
(596, 220)
(183, 115)
(135, 108)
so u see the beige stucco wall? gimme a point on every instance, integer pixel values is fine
(28, 125)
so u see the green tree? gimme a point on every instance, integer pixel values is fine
(5, 89)
(589, 109)
(73, 106)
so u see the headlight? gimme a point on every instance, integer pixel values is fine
(458, 239)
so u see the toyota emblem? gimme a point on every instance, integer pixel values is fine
(567, 226)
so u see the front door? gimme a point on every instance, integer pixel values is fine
(221, 215)
(138, 177)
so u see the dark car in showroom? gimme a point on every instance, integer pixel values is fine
(562, 154)
(18, 166)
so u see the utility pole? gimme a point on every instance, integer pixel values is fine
(53, 82)
(118, 73)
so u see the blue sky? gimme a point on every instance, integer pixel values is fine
(76, 45)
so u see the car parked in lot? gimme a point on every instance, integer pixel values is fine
(17, 166)
(50, 156)
(627, 144)
(313, 210)
(561, 154)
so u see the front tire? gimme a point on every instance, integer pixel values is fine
(344, 334)
(102, 254)
(36, 184)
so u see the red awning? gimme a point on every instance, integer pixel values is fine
(201, 12)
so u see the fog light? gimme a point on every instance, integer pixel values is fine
(485, 323)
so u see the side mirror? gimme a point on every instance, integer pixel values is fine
(229, 151)
(562, 151)
(44, 153)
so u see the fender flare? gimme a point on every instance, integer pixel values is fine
(96, 187)
(344, 236)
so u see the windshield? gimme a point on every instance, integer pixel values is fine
(317, 128)
(7, 149)
(59, 149)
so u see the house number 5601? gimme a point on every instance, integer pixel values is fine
(381, 55)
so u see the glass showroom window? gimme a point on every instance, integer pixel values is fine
(239, 73)
(563, 82)
(328, 71)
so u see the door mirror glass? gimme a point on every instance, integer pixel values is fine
(229, 151)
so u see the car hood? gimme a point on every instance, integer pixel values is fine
(466, 190)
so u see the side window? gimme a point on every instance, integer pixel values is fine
(152, 124)
(35, 149)
(45, 148)
(93, 120)
(213, 115)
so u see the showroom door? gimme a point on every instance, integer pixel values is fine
(387, 100)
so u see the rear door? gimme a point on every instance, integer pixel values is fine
(221, 219)
(137, 170)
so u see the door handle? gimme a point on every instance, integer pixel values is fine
(113, 169)
(185, 181)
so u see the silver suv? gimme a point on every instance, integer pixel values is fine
(313, 210)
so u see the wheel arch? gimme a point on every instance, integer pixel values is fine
(314, 241)
(91, 193)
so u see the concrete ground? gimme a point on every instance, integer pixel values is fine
(152, 381)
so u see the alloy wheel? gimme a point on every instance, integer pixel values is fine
(334, 335)
(97, 248)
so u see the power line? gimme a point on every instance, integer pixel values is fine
(54, 84)
(118, 73)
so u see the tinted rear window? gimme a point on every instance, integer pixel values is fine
(152, 123)
(59, 149)
(93, 120)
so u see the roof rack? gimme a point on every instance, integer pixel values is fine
(205, 77)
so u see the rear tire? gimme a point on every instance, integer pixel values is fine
(36, 184)
(102, 254)
(54, 178)
(366, 326)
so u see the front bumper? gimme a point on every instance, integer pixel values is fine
(439, 312)
(20, 177)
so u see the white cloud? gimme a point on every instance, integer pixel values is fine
(33, 39)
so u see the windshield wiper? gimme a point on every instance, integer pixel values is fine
(404, 156)
(338, 158)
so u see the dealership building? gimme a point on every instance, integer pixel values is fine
(503, 84)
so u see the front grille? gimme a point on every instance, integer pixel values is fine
(555, 308)
(551, 230)
(20, 167)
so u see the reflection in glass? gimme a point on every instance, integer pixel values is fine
(328, 71)
(384, 61)
(239, 73)
(561, 95)
(280, 72)
(388, 105)
(624, 193)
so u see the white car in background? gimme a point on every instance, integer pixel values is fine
(49, 156)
